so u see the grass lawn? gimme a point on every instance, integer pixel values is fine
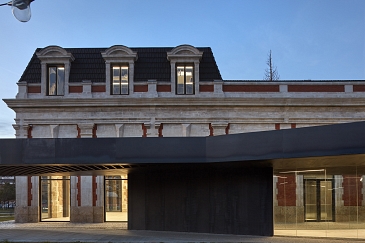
(6, 214)
(8, 210)
(6, 218)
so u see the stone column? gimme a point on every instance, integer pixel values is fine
(27, 196)
(88, 206)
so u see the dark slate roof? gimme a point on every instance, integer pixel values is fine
(296, 80)
(152, 63)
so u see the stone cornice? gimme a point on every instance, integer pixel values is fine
(184, 101)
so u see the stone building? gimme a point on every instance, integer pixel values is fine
(172, 92)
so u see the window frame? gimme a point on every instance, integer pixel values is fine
(185, 65)
(57, 93)
(120, 66)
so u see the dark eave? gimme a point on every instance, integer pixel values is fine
(332, 146)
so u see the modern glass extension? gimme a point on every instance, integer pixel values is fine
(320, 202)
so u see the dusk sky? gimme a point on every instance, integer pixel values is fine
(309, 39)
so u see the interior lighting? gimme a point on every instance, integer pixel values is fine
(20, 9)
(301, 171)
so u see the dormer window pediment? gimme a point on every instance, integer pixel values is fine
(55, 53)
(122, 53)
(184, 51)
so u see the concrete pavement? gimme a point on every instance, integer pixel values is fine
(117, 232)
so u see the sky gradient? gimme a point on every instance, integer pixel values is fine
(311, 39)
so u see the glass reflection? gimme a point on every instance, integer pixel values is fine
(323, 203)
(55, 198)
(116, 198)
(52, 81)
(120, 81)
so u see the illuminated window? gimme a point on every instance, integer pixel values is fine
(184, 79)
(56, 80)
(120, 83)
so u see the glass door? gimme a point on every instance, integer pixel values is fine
(311, 210)
(116, 198)
(326, 200)
(318, 199)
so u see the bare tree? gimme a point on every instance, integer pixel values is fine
(271, 73)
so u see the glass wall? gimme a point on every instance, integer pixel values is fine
(320, 202)
(55, 198)
(116, 198)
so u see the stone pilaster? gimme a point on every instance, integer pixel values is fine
(219, 128)
(173, 77)
(131, 77)
(152, 89)
(218, 88)
(22, 90)
(186, 130)
(119, 130)
(21, 131)
(86, 130)
(152, 129)
(86, 89)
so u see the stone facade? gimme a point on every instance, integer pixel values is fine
(153, 109)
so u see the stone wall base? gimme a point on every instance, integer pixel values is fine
(26, 214)
(350, 213)
(87, 214)
(288, 214)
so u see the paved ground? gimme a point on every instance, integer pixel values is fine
(116, 232)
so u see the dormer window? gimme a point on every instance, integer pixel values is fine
(120, 80)
(185, 79)
(56, 80)
(184, 62)
(55, 65)
(119, 66)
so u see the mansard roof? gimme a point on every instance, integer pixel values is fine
(152, 63)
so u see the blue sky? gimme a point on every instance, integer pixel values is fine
(309, 39)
